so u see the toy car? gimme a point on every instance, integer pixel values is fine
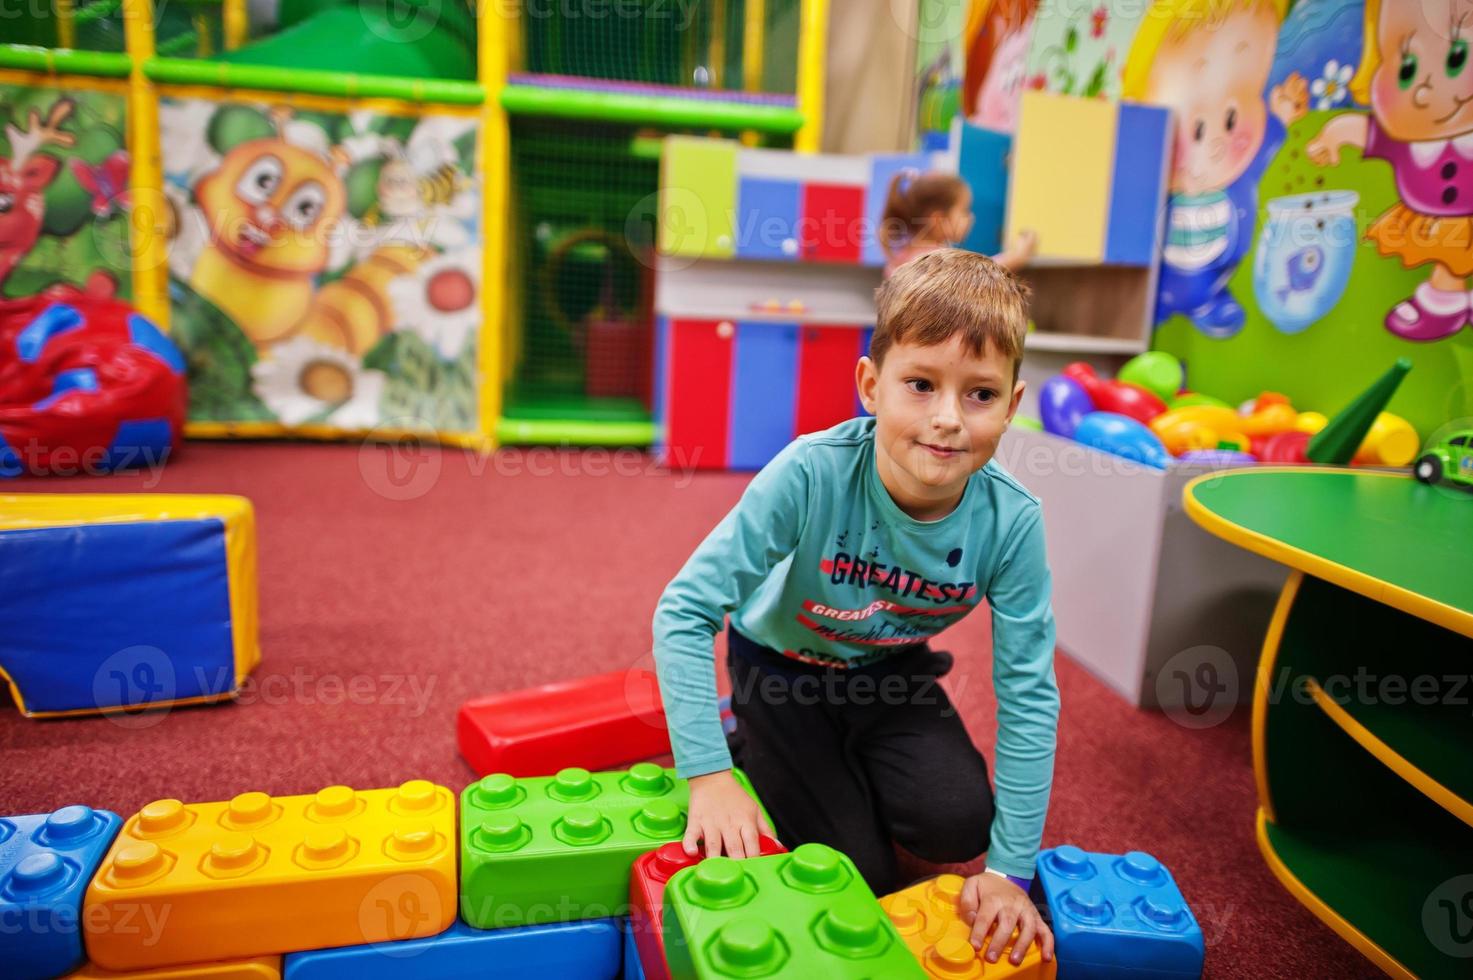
(1450, 460)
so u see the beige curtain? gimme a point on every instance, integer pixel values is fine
(869, 95)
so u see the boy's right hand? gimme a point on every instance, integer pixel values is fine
(724, 816)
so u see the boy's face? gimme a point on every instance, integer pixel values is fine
(1213, 80)
(939, 413)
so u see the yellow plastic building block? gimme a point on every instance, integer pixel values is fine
(1063, 195)
(927, 919)
(192, 883)
(116, 602)
(255, 968)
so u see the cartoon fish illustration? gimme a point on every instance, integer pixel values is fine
(107, 182)
(1304, 268)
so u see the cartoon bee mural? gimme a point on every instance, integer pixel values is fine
(273, 209)
(270, 207)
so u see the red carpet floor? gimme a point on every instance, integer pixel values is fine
(381, 614)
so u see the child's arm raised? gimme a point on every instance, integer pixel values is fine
(759, 532)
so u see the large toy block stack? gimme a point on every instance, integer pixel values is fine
(804, 914)
(334, 868)
(46, 861)
(928, 918)
(251, 968)
(560, 848)
(589, 949)
(123, 601)
(1117, 916)
(647, 881)
(1099, 213)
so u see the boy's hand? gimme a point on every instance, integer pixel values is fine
(725, 817)
(998, 906)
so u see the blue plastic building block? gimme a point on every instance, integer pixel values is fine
(1117, 916)
(46, 861)
(633, 965)
(591, 949)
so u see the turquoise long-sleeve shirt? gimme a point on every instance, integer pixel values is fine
(816, 560)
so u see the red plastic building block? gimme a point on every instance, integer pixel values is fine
(601, 722)
(647, 881)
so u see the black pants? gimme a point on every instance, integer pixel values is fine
(860, 758)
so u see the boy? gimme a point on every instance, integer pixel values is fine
(843, 556)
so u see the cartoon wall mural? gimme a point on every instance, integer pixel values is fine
(63, 192)
(1320, 224)
(1211, 70)
(997, 37)
(325, 267)
(1412, 74)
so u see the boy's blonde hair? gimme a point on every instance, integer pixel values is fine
(1175, 19)
(948, 292)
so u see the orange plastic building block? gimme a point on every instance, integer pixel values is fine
(927, 919)
(255, 968)
(261, 875)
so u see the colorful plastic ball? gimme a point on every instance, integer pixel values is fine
(1062, 402)
(1123, 436)
(1193, 398)
(1156, 371)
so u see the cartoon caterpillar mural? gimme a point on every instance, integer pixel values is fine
(272, 208)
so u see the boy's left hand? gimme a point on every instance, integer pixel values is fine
(1001, 907)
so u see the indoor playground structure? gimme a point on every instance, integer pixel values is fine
(310, 207)
(389, 709)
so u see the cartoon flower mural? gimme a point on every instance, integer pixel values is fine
(302, 381)
(1332, 88)
(440, 301)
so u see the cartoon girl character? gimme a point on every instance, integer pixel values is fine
(1412, 74)
(1209, 60)
(997, 59)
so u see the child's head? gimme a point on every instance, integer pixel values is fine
(1209, 61)
(941, 378)
(1412, 68)
(933, 205)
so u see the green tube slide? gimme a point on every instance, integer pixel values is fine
(406, 38)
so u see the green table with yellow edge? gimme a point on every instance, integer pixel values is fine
(1363, 704)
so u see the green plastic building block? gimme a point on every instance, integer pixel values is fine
(804, 914)
(559, 848)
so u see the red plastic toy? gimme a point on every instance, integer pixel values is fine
(600, 722)
(1120, 397)
(647, 881)
(86, 385)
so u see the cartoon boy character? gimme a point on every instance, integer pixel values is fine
(1412, 74)
(1208, 60)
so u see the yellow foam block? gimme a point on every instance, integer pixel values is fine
(1063, 163)
(927, 918)
(122, 601)
(260, 875)
(255, 968)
